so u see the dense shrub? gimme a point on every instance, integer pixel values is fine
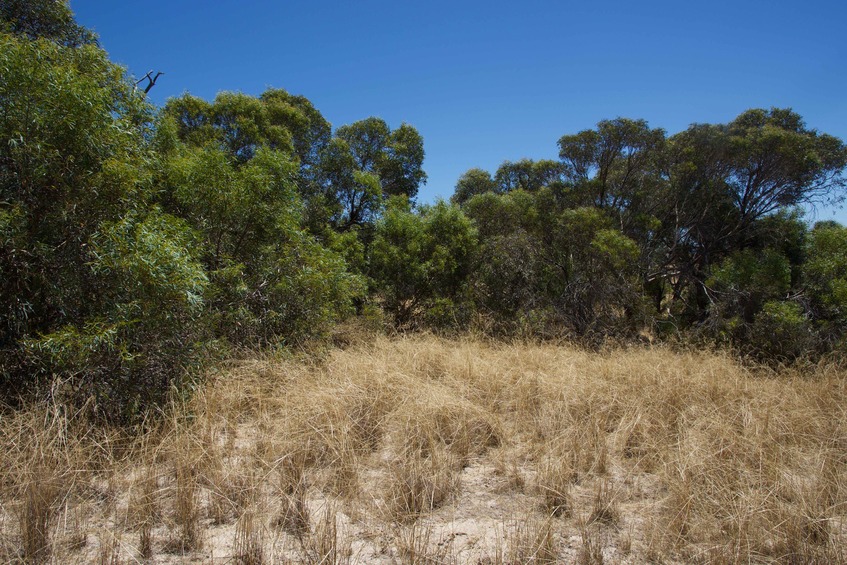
(97, 288)
(269, 278)
(781, 331)
(420, 262)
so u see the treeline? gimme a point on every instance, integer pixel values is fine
(697, 234)
(135, 241)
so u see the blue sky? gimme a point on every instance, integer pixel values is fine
(489, 81)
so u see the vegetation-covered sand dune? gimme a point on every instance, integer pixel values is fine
(425, 450)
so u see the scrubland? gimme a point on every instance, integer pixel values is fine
(427, 450)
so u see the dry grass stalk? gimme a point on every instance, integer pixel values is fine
(75, 534)
(231, 491)
(39, 500)
(248, 547)
(419, 484)
(325, 545)
(511, 472)
(553, 481)
(292, 487)
(591, 550)
(186, 509)
(531, 541)
(143, 510)
(343, 478)
(110, 548)
(415, 546)
(605, 508)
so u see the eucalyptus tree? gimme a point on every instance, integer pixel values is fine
(98, 287)
(614, 167)
(472, 183)
(527, 174)
(825, 278)
(47, 19)
(726, 178)
(237, 169)
(366, 163)
(421, 262)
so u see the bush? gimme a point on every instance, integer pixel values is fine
(420, 262)
(98, 289)
(781, 331)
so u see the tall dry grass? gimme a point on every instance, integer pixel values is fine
(426, 450)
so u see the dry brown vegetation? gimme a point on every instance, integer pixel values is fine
(424, 450)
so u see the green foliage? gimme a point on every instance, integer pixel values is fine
(773, 160)
(420, 262)
(353, 196)
(614, 165)
(570, 267)
(527, 175)
(365, 163)
(728, 183)
(149, 261)
(237, 208)
(785, 297)
(48, 19)
(97, 289)
(781, 331)
(395, 157)
(728, 177)
(497, 214)
(472, 183)
(594, 275)
(72, 161)
(130, 351)
(239, 124)
(507, 277)
(746, 279)
(270, 280)
(825, 272)
(294, 290)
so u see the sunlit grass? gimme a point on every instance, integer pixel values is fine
(420, 449)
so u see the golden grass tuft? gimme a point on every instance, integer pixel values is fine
(419, 483)
(292, 488)
(248, 546)
(605, 508)
(591, 550)
(531, 540)
(554, 478)
(326, 545)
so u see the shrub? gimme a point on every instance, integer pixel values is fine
(781, 331)
(97, 289)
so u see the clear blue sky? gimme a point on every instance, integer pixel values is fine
(488, 81)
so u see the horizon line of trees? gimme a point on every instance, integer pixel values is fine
(136, 241)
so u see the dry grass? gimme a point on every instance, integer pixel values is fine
(418, 484)
(531, 540)
(248, 547)
(424, 450)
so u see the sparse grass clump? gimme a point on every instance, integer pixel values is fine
(591, 550)
(248, 547)
(326, 544)
(417, 484)
(293, 487)
(605, 509)
(554, 479)
(531, 540)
